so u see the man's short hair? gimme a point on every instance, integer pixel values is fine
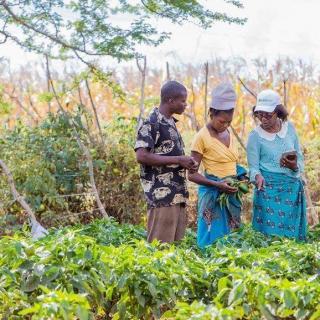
(171, 90)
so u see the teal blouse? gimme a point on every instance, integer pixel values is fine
(264, 150)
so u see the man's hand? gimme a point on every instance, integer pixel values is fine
(260, 182)
(225, 187)
(188, 163)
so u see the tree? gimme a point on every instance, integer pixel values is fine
(91, 29)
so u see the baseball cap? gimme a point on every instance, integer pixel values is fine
(223, 97)
(267, 100)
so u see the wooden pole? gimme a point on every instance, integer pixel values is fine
(168, 71)
(142, 69)
(206, 72)
(285, 92)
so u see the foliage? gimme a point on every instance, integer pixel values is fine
(105, 269)
(50, 170)
(89, 29)
(311, 150)
(45, 164)
(118, 178)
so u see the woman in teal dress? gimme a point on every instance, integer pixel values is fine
(275, 166)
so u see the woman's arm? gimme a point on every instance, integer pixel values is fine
(198, 178)
(253, 156)
(297, 163)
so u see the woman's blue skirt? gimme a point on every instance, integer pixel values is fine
(281, 208)
(213, 221)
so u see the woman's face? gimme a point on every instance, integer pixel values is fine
(267, 119)
(221, 121)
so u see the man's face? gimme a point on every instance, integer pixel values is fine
(179, 104)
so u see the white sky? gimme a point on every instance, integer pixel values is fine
(274, 27)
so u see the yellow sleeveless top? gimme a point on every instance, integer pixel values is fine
(217, 158)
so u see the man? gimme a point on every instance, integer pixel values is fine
(159, 150)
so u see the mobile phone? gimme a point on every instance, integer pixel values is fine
(290, 155)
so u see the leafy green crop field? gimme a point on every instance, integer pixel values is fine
(108, 271)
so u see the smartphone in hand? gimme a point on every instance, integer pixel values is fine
(290, 155)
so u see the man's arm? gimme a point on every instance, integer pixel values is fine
(146, 157)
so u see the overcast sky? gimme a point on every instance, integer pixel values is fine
(274, 27)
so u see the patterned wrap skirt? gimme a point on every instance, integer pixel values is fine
(280, 209)
(213, 221)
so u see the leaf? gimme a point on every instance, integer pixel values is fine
(39, 269)
(34, 309)
(122, 281)
(237, 292)
(290, 299)
(30, 284)
(315, 315)
(88, 255)
(266, 313)
(122, 310)
(26, 265)
(82, 313)
(51, 274)
(223, 283)
(140, 298)
(152, 289)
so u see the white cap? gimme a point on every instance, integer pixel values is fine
(267, 101)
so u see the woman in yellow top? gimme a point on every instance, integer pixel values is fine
(216, 149)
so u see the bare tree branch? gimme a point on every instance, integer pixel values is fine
(250, 91)
(20, 104)
(32, 105)
(238, 138)
(95, 112)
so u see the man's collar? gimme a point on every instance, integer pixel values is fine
(162, 117)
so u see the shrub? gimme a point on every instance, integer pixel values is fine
(50, 170)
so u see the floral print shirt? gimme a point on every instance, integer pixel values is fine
(163, 185)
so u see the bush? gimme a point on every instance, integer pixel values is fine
(50, 170)
(312, 161)
(118, 178)
(47, 166)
